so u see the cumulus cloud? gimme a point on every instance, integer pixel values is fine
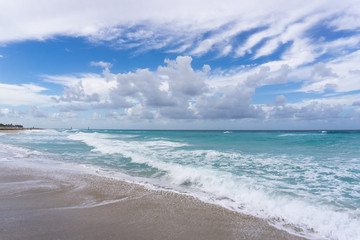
(356, 103)
(77, 93)
(322, 71)
(233, 92)
(63, 117)
(37, 112)
(313, 110)
(234, 102)
(280, 100)
(317, 110)
(174, 90)
(171, 86)
(89, 87)
(139, 112)
(333, 107)
(177, 91)
(10, 113)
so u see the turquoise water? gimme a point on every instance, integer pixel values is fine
(303, 182)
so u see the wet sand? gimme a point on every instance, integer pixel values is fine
(59, 204)
(16, 130)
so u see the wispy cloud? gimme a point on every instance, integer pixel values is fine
(223, 26)
(101, 64)
(24, 94)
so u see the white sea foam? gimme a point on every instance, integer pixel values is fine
(236, 192)
(297, 134)
(245, 196)
(14, 152)
(105, 143)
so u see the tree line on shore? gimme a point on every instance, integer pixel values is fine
(10, 125)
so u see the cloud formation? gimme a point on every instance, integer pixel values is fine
(24, 94)
(311, 111)
(37, 112)
(9, 113)
(196, 30)
(101, 64)
(177, 91)
(303, 55)
(169, 90)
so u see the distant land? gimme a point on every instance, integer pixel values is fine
(14, 127)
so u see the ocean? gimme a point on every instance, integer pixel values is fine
(303, 182)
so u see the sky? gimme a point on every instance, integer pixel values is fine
(160, 64)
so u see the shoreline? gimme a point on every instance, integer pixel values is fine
(15, 130)
(61, 204)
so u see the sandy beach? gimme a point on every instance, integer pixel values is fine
(14, 130)
(6, 130)
(58, 204)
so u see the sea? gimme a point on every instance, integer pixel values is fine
(303, 182)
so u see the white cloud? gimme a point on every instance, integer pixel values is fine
(25, 94)
(290, 31)
(101, 64)
(139, 111)
(348, 21)
(326, 108)
(340, 75)
(280, 100)
(171, 86)
(344, 100)
(312, 111)
(174, 90)
(221, 39)
(87, 87)
(269, 32)
(186, 25)
(1, 56)
(37, 112)
(9, 113)
(254, 76)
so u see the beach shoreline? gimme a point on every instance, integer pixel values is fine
(61, 204)
(16, 130)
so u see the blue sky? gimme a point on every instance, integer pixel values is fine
(180, 65)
